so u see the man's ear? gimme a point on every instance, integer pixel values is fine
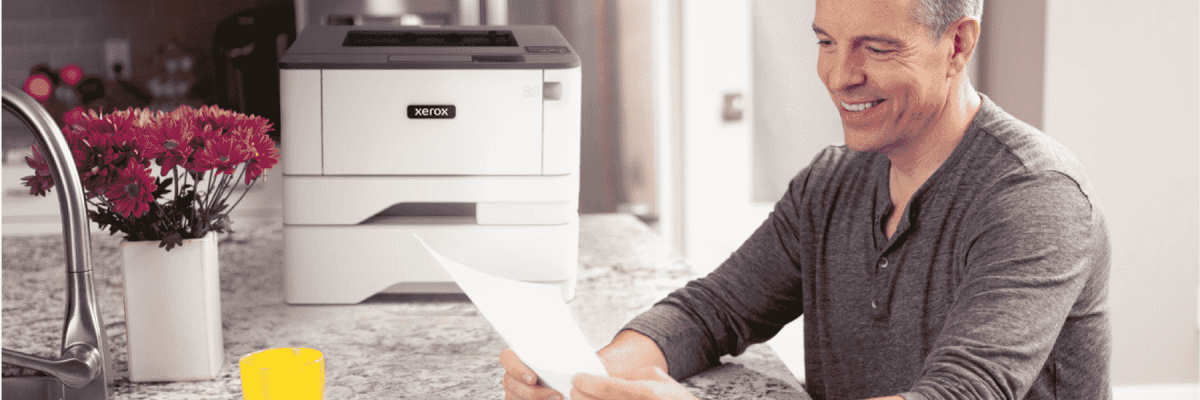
(964, 35)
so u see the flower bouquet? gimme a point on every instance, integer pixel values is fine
(202, 154)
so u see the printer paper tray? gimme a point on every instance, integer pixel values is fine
(347, 264)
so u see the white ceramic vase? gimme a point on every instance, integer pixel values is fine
(173, 310)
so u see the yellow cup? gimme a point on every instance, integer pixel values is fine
(285, 373)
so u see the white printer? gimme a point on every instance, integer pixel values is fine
(466, 136)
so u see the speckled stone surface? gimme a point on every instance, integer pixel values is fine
(388, 347)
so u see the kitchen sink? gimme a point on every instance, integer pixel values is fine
(31, 388)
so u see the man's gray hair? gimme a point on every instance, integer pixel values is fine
(937, 15)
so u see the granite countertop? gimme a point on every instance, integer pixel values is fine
(391, 346)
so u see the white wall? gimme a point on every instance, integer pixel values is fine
(716, 200)
(795, 118)
(1123, 93)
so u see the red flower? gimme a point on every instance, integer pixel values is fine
(115, 129)
(41, 181)
(105, 166)
(201, 135)
(263, 155)
(130, 193)
(215, 118)
(255, 125)
(168, 140)
(225, 122)
(113, 154)
(73, 115)
(184, 112)
(221, 153)
(103, 145)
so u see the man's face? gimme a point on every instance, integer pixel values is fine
(887, 78)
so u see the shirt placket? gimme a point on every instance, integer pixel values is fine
(877, 267)
(883, 266)
(880, 285)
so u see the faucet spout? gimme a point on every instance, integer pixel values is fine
(83, 365)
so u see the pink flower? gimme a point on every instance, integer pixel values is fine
(215, 118)
(201, 135)
(168, 140)
(225, 122)
(131, 192)
(255, 125)
(41, 181)
(113, 154)
(116, 128)
(73, 115)
(263, 155)
(223, 154)
(103, 145)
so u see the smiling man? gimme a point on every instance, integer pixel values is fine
(946, 251)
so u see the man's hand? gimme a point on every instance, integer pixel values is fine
(520, 383)
(650, 383)
(626, 357)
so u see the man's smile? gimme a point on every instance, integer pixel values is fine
(859, 106)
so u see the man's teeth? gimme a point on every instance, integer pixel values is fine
(860, 106)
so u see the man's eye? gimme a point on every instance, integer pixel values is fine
(824, 42)
(878, 51)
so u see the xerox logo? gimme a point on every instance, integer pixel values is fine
(431, 111)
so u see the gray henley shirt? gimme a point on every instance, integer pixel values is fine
(994, 285)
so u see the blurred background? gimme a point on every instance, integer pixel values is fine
(697, 113)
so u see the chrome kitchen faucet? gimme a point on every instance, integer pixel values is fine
(82, 370)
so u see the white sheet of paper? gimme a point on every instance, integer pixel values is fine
(533, 319)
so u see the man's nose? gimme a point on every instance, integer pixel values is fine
(845, 71)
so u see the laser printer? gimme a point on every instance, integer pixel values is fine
(468, 136)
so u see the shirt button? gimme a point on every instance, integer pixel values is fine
(883, 262)
(874, 304)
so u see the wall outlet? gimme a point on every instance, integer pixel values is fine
(117, 59)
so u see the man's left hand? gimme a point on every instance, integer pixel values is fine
(650, 383)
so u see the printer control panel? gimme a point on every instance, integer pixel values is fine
(425, 38)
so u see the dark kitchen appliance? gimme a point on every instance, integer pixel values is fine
(246, 50)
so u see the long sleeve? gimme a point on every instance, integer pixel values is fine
(1037, 257)
(746, 300)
